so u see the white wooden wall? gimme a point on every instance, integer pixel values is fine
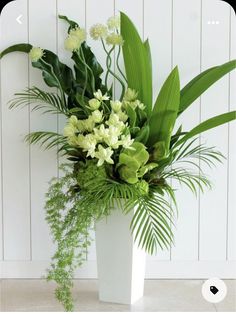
(181, 32)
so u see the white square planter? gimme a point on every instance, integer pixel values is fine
(120, 263)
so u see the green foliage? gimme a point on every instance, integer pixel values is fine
(16, 48)
(69, 223)
(152, 221)
(202, 82)
(185, 165)
(165, 111)
(89, 74)
(137, 59)
(48, 140)
(86, 171)
(208, 124)
(49, 102)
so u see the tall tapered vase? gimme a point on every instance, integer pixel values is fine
(120, 263)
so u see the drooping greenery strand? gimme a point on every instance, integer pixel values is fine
(69, 226)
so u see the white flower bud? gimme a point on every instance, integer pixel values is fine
(98, 95)
(116, 105)
(130, 95)
(97, 116)
(72, 43)
(36, 54)
(98, 31)
(79, 33)
(113, 22)
(94, 104)
(114, 39)
(69, 130)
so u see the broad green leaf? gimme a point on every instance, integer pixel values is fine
(165, 110)
(55, 73)
(137, 62)
(202, 82)
(91, 61)
(208, 124)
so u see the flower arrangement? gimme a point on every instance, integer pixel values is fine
(120, 151)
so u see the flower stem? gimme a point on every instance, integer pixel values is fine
(108, 63)
(118, 66)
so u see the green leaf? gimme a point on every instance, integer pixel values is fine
(208, 124)
(137, 61)
(47, 139)
(151, 224)
(165, 110)
(202, 82)
(149, 54)
(143, 135)
(94, 74)
(55, 73)
(16, 48)
(70, 22)
(39, 99)
(132, 115)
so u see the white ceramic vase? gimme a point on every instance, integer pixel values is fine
(120, 263)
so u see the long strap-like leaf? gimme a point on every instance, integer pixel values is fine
(207, 125)
(196, 87)
(165, 110)
(137, 59)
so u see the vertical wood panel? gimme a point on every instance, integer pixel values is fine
(186, 54)
(42, 33)
(14, 77)
(158, 29)
(215, 101)
(231, 232)
(1, 183)
(171, 44)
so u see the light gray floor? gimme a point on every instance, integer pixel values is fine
(160, 295)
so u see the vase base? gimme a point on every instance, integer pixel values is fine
(119, 300)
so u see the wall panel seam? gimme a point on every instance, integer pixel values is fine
(1, 104)
(29, 129)
(228, 143)
(200, 119)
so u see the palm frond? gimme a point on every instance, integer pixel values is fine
(47, 140)
(49, 102)
(152, 223)
(193, 181)
(187, 153)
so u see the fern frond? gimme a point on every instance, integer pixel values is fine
(49, 102)
(47, 140)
